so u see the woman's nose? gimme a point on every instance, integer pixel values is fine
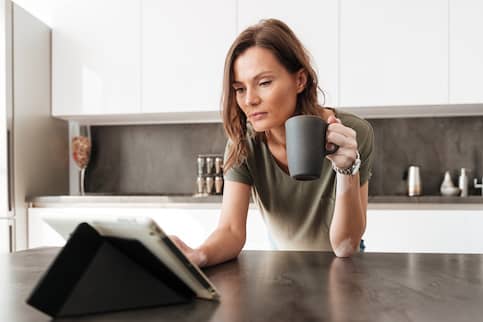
(252, 98)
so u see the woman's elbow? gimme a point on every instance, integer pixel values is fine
(345, 248)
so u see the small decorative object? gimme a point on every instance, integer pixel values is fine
(81, 153)
(447, 187)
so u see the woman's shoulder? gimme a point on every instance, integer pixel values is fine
(360, 125)
(254, 143)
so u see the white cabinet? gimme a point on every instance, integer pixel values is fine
(96, 57)
(315, 23)
(4, 236)
(192, 225)
(466, 51)
(393, 52)
(146, 61)
(426, 231)
(184, 44)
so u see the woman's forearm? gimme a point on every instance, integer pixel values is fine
(220, 246)
(348, 223)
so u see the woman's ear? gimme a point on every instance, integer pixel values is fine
(301, 79)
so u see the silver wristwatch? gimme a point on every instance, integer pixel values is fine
(352, 170)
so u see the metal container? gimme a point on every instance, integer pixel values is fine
(201, 163)
(463, 182)
(209, 185)
(218, 184)
(210, 162)
(414, 181)
(200, 185)
(218, 165)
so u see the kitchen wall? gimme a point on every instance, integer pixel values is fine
(149, 159)
(161, 159)
(434, 144)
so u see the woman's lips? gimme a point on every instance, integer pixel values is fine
(257, 116)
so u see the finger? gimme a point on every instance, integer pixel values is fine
(330, 146)
(179, 243)
(342, 160)
(340, 155)
(347, 131)
(197, 257)
(341, 140)
(332, 119)
(194, 258)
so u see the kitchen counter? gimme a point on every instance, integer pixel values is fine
(190, 201)
(293, 286)
(427, 199)
(124, 201)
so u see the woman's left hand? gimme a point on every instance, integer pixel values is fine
(345, 138)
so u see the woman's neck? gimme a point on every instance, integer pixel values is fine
(276, 136)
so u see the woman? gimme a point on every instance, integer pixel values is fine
(268, 78)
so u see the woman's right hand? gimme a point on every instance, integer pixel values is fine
(195, 255)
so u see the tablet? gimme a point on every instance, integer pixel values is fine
(147, 231)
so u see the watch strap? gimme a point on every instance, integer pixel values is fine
(352, 170)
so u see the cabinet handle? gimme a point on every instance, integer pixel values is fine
(9, 171)
(10, 238)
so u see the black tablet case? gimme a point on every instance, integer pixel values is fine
(94, 274)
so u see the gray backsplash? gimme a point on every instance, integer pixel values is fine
(161, 159)
(434, 144)
(150, 159)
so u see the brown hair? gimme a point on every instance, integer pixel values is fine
(276, 36)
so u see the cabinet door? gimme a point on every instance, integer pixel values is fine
(315, 23)
(184, 44)
(393, 52)
(424, 231)
(96, 57)
(466, 51)
(40, 234)
(4, 236)
(192, 225)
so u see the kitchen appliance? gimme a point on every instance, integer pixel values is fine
(414, 181)
(33, 145)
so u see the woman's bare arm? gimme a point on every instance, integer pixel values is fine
(228, 238)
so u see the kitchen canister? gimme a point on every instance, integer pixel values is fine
(414, 181)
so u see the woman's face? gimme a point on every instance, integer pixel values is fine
(265, 91)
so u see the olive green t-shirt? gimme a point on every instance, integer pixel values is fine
(298, 213)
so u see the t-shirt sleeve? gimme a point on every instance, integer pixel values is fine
(238, 172)
(365, 142)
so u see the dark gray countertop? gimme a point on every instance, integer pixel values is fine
(294, 286)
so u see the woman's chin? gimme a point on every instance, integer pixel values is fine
(259, 127)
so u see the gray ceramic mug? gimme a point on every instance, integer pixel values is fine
(306, 138)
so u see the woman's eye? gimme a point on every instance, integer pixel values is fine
(239, 90)
(265, 83)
